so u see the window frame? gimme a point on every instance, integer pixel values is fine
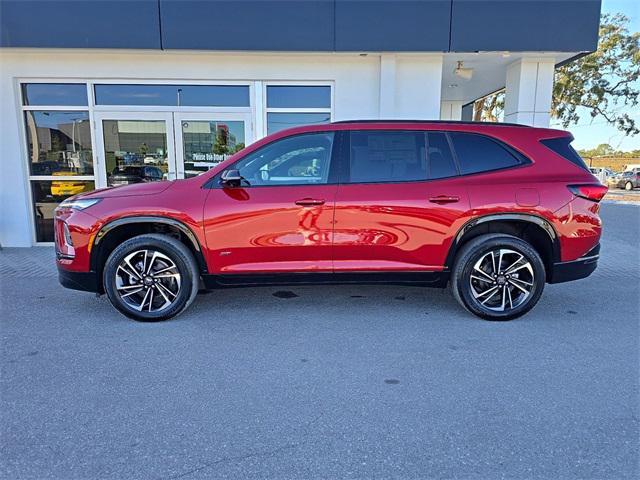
(334, 163)
(345, 157)
(283, 83)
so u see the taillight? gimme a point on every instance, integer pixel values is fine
(592, 192)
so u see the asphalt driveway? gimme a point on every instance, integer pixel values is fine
(323, 382)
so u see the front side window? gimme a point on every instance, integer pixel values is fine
(478, 153)
(387, 156)
(298, 160)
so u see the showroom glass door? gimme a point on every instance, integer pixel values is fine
(135, 147)
(203, 140)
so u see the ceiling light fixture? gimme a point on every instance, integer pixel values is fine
(462, 72)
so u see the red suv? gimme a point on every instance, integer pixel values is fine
(497, 210)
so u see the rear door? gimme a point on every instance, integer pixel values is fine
(399, 203)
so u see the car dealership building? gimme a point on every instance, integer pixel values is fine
(99, 93)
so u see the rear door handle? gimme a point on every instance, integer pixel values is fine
(442, 199)
(309, 202)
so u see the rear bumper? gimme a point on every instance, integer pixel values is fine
(84, 281)
(576, 269)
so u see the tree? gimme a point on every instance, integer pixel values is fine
(601, 83)
(221, 144)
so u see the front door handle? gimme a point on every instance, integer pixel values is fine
(309, 202)
(442, 199)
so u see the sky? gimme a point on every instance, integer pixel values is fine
(589, 133)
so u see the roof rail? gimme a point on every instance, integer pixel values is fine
(455, 122)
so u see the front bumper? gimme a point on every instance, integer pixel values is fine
(576, 269)
(84, 281)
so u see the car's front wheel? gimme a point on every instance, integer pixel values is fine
(151, 277)
(498, 277)
(628, 186)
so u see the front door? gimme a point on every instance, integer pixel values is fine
(280, 219)
(135, 147)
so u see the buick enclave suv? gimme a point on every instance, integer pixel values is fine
(495, 210)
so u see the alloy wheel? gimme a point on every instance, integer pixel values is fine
(147, 280)
(502, 280)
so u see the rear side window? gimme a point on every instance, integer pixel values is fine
(387, 156)
(478, 153)
(562, 146)
(439, 156)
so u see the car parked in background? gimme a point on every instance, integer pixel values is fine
(601, 173)
(627, 180)
(496, 210)
(134, 174)
(69, 187)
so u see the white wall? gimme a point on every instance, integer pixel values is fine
(411, 89)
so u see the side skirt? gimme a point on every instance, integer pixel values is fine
(423, 279)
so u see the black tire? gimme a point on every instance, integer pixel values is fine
(628, 186)
(183, 261)
(478, 249)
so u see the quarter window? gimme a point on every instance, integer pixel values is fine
(387, 156)
(298, 160)
(477, 153)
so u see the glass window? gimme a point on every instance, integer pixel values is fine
(298, 96)
(387, 156)
(477, 153)
(46, 196)
(562, 146)
(58, 94)
(441, 163)
(207, 143)
(173, 95)
(298, 160)
(132, 144)
(282, 121)
(59, 143)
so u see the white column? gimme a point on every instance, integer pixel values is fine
(387, 86)
(529, 86)
(451, 110)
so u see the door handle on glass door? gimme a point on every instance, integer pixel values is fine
(442, 199)
(309, 202)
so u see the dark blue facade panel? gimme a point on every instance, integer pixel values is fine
(303, 25)
(79, 24)
(525, 25)
(248, 25)
(400, 25)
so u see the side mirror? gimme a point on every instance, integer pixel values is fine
(231, 178)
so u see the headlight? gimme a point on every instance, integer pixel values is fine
(79, 204)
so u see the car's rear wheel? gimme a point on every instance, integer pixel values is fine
(628, 186)
(498, 277)
(151, 277)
